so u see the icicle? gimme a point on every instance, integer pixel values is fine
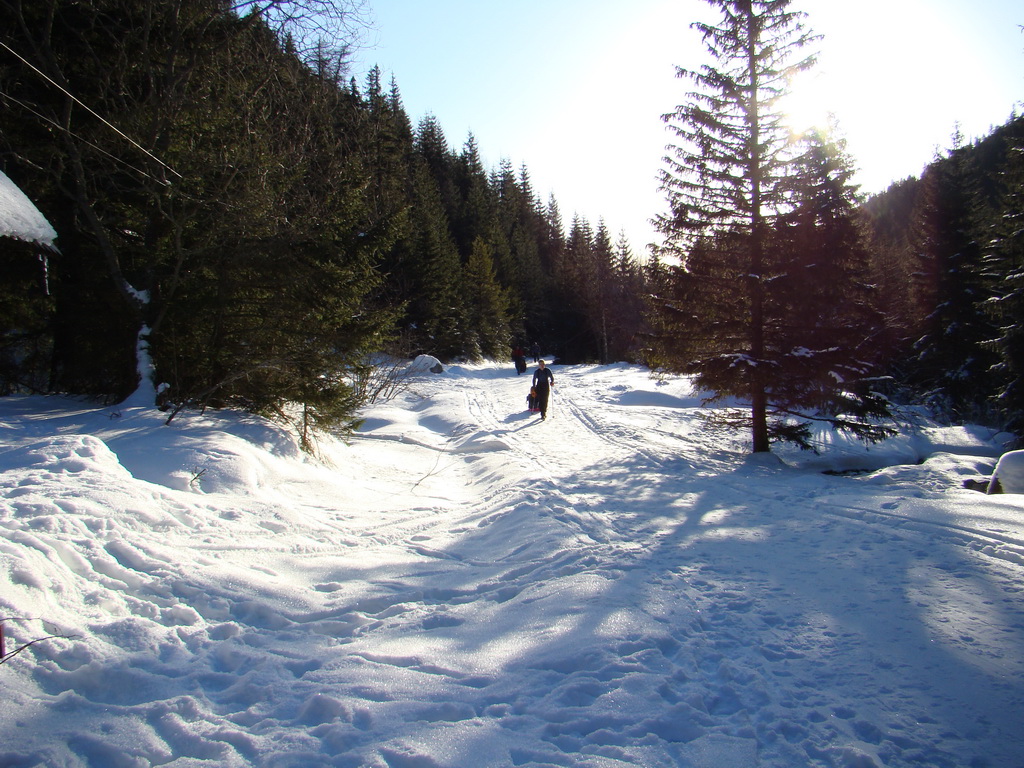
(46, 272)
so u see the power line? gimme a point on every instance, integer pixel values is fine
(85, 141)
(86, 107)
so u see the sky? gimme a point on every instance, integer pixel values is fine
(461, 584)
(575, 89)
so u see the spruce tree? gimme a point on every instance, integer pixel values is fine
(601, 310)
(951, 370)
(437, 306)
(823, 333)
(730, 184)
(251, 271)
(524, 230)
(1005, 262)
(486, 306)
(576, 286)
(628, 303)
(274, 308)
(726, 178)
(893, 264)
(477, 213)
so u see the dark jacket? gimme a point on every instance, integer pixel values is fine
(543, 378)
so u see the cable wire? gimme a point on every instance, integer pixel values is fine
(86, 107)
(85, 141)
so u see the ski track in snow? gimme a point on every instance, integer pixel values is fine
(465, 585)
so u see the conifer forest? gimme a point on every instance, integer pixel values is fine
(225, 190)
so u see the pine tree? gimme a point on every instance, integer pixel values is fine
(437, 306)
(601, 290)
(526, 242)
(477, 214)
(729, 185)
(257, 260)
(820, 333)
(273, 309)
(487, 306)
(542, 296)
(892, 261)
(1005, 262)
(576, 289)
(952, 366)
(628, 301)
(432, 148)
(823, 333)
(509, 196)
(725, 180)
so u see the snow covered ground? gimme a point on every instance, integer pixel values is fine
(464, 585)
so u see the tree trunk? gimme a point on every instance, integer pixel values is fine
(755, 281)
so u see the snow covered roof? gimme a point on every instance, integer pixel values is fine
(19, 217)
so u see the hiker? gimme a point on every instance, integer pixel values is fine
(519, 358)
(535, 352)
(543, 380)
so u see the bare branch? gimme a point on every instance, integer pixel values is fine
(315, 28)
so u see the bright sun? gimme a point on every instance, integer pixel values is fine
(808, 104)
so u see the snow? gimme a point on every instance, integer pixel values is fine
(464, 585)
(1009, 472)
(20, 219)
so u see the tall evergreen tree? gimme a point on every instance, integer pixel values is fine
(1005, 262)
(893, 264)
(601, 291)
(729, 183)
(525, 231)
(487, 306)
(433, 149)
(250, 272)
(628, 301)
(952, 366)
(543, 324)
(437, 306)
(273, 309)
(510, 201)
(576, 289)
(477, 213)
(824, 332)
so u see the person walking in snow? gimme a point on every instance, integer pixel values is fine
(543, 380)
(535, 352)
(519, 358)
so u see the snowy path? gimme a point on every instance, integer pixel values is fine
(465, 585)
(646, 604)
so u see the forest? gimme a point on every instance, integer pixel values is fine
(269, 226)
